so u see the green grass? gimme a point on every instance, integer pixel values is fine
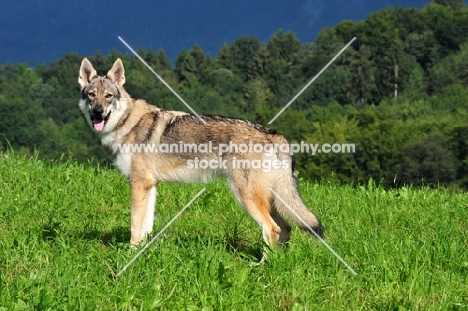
(64, 232)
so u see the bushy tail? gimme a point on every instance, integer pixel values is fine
(288, 202)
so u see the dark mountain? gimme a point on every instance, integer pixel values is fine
(43, 31)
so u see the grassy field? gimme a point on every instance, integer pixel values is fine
(64, 232)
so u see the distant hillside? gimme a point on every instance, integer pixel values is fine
(413, 133)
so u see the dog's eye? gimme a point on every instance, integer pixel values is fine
(91, 94)
(109, 95)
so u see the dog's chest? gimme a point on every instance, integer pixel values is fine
(123, 161)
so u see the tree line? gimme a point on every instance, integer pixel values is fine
(399, 93)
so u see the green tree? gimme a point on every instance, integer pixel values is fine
(258, 95)
(450, 27)
(331, 86)
(423, 47)
(428, 161)
(347, 30)
(279, 67)
(259, 64)
(203, 64)
(453, 4)
(283, 45)
(185, 67)
(17, 80)
(224, 57)
(458, 142)
(450, 70)
(362, 71)
(162, 61)
(243, 52)
(19, 122)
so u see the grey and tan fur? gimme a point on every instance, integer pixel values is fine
(119, 120)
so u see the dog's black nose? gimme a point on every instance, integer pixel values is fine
(98, 110)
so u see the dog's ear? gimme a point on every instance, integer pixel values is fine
(117, 73)
(87, 73)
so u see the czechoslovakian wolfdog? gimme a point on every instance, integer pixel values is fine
(130, 127)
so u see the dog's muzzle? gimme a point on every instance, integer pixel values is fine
(99, 118)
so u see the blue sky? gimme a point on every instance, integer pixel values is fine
(41, 31)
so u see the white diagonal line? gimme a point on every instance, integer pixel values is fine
(162, 80)
(160, 232)
(313, 79)
(315, 233)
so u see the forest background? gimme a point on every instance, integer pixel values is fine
(399, 93)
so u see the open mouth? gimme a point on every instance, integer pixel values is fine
(99, 122)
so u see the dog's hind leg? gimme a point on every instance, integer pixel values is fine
(256, 201)
(285, 234)
(143, 199)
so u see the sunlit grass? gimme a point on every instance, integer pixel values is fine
(64, 232)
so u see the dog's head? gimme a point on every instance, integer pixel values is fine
(100, 96)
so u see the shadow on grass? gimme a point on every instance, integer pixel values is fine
(250, 251)
(118, 235)
(231, 243)
(113, 237)
(50, 231)
(244, 249)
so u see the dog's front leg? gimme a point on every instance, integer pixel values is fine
(143, 202)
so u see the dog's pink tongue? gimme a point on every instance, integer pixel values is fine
(98, 125)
